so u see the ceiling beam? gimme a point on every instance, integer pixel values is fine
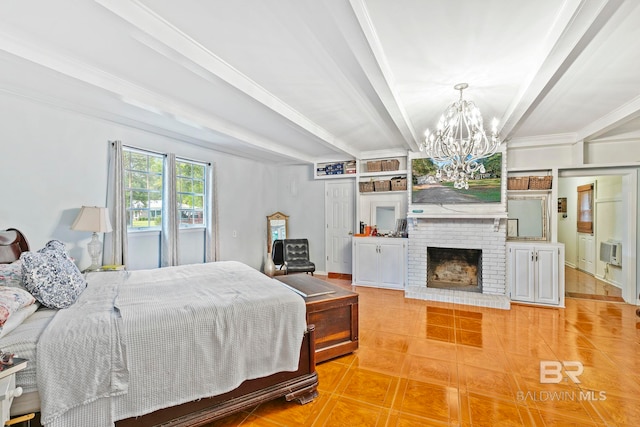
(612, 120)
(135, 95)
(575, 29)
(150, 23)
(378, 71)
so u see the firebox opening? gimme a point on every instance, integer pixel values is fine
(457, 269)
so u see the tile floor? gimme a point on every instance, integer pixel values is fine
(434, 364)
(582, 285)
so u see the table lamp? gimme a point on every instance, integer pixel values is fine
(95, 219)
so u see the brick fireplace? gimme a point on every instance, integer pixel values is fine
(483, 235)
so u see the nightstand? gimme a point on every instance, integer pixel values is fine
(8, 389)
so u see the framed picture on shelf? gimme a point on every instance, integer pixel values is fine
(512, 227)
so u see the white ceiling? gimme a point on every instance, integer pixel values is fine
(295, 81)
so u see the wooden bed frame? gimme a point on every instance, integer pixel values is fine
(300, 385)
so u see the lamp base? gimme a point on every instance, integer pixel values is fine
(95, 249)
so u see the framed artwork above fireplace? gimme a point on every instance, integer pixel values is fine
(429, 195)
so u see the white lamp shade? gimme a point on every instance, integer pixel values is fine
(92, 218)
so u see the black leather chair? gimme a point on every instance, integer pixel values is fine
(277, 253)
(296, 257)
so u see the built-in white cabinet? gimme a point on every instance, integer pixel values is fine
(380, 262)
(536, 272)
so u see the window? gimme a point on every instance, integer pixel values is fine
(585, 209)
(143, 189)
(190, 188)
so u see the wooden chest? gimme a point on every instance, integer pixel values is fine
(334, 312)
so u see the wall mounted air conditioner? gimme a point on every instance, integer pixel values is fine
(611, 252)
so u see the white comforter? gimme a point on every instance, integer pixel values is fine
(138, 341)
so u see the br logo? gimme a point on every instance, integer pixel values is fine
(551, 371)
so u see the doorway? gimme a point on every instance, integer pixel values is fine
(340, 220)
(614, 214)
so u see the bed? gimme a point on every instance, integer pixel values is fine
(178, 346)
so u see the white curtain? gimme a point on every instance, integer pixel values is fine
(211, 210)
(115, 243)
(169, 235)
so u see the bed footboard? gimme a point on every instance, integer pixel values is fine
(300, 385)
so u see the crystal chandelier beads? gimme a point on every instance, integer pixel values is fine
(460, 141)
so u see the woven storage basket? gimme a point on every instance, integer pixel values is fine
(366, 187)
(384, 185)
(518, 183)
(374, 166)
(540, 182)
(398, 184)
(390, 165)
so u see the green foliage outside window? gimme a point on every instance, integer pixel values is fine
(143, 191)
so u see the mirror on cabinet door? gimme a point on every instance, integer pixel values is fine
(384, 215)
(527, 217)
(277, 228)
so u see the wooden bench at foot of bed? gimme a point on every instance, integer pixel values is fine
(332, 310)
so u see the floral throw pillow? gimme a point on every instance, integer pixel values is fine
(51, 276)
(11, 275)
(12, 300)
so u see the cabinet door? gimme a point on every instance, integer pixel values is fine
(366, 254)
(522, 273)
(547, 275)
(391, 266)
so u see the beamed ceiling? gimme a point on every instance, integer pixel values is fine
(293, 81)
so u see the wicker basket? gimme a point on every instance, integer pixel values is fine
(398, 184)
(384, 185)
(518, 183)
(374, 166)
(540, 182)
(366, 187)
(390, 165)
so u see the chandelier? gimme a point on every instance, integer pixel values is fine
(460, 142)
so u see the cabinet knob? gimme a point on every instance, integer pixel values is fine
(17, 392)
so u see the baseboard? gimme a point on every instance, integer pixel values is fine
(608, 282)
(345, 276)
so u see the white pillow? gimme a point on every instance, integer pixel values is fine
(11, 275)
(12, 300)
(17, 318)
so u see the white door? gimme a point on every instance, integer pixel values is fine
(366, 260)
(340, 218)
(547, 275)
(586, 253)
(391, 266)
(522, 274)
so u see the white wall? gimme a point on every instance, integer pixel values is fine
(302, 198)
(54, 161)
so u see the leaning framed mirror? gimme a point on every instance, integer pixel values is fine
(527, 217)
(277, 228)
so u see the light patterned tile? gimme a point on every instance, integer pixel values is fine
(370, 387)
(423, 363)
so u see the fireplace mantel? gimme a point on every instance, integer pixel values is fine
(495, 216)
(454, 215)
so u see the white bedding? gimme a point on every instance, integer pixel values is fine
(22, 341)
(138, 341)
